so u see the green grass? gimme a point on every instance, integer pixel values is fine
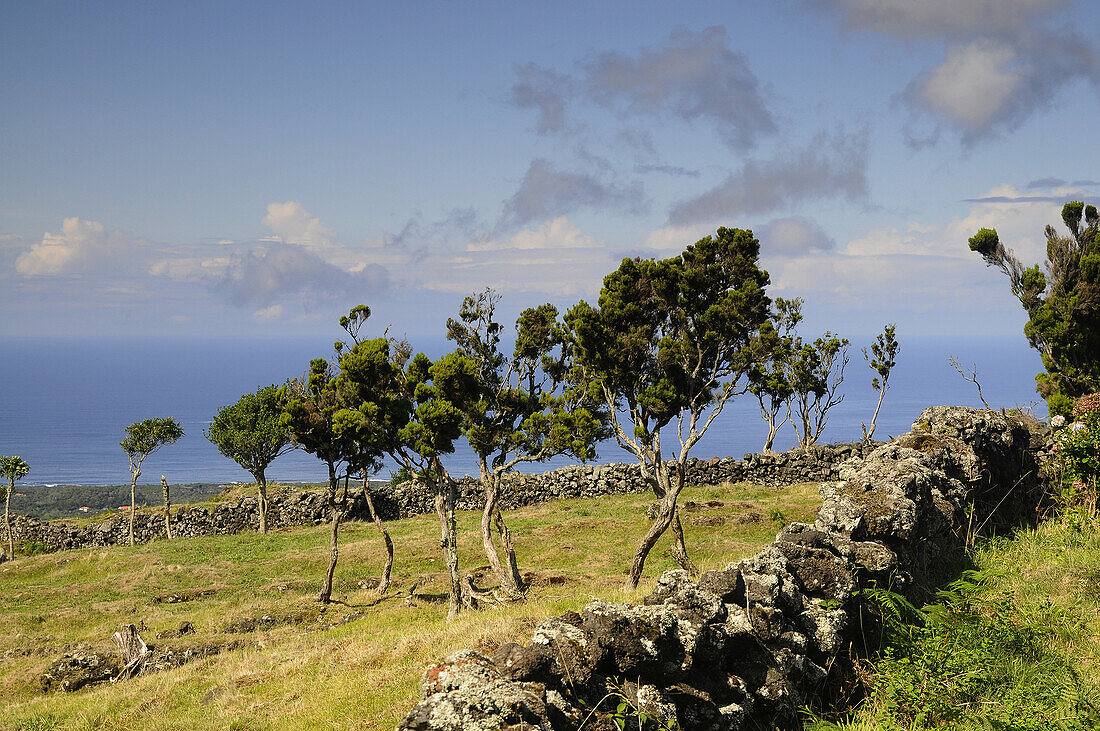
(314, 671)
(1013, 644)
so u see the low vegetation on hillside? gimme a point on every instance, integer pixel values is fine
(283, 660)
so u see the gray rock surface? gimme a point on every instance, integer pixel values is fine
(745, 647)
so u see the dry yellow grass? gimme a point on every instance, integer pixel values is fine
(312, 670)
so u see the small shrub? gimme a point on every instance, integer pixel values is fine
(33, 548)
(1075, 464)
(400, 475)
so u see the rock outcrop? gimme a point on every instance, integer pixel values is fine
(746, 646)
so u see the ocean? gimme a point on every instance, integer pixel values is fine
(64, 404)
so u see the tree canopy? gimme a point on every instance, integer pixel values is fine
(142, 439)
(521, 413)
(11, 469)
(1062, 303)
(671, 339)
(252, 434)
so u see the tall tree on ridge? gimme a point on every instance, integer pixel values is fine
(881, 360)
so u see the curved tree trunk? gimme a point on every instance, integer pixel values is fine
(679, 548)
(665, 516)
(445, 510)
(261, 485)
(334, 552)
(510, 581)
(167, 508)
(509, 552)
(133, 501)
(7, 521)
(869, 433)
(384, 580)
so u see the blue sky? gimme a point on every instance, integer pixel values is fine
(255, 169)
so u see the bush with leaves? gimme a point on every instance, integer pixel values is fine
(1076, 459)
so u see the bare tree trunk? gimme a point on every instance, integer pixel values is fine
(326, 591)
(510, 581)
(667, 515)
(660, 525)
(772, 431)
(261, 484)
(509, 551)
(445, 509)
(7, 520)
(384, 581)
(133, 501)
(167, 508)
(679, 548)
(869, 433)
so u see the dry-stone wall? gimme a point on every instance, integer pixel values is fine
(746, 646)
(293, 508)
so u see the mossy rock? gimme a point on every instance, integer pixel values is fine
(923, 442)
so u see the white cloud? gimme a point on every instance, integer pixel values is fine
(902, 272)
(921, 18)
(274, 312)
(293, 224)
(559, 233)
(975, 84)
(555, 258)
(80, 247)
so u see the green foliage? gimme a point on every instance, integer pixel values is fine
(881, 359)
(1075, 463)
(400, 476)
(816, 373)
(521, 413)
(967, 668)
(250, 432)
(672, 337)
(13, 468)
(34, 548)
(147, 436)
(1063, 305)
(979, 657)
(770, 374)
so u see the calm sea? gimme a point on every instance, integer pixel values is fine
(64, 405)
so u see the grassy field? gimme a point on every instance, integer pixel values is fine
(1013, 644)
(357, 664)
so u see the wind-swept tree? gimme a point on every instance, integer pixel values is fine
(770, 376)
(521, 413)
(881, 360)
(12, 469)
(671, 342)
(142, 439)
(817, 370)
(411, 407)
(321, 415)
(251, 434)
(375, 381)
(1062, 305)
